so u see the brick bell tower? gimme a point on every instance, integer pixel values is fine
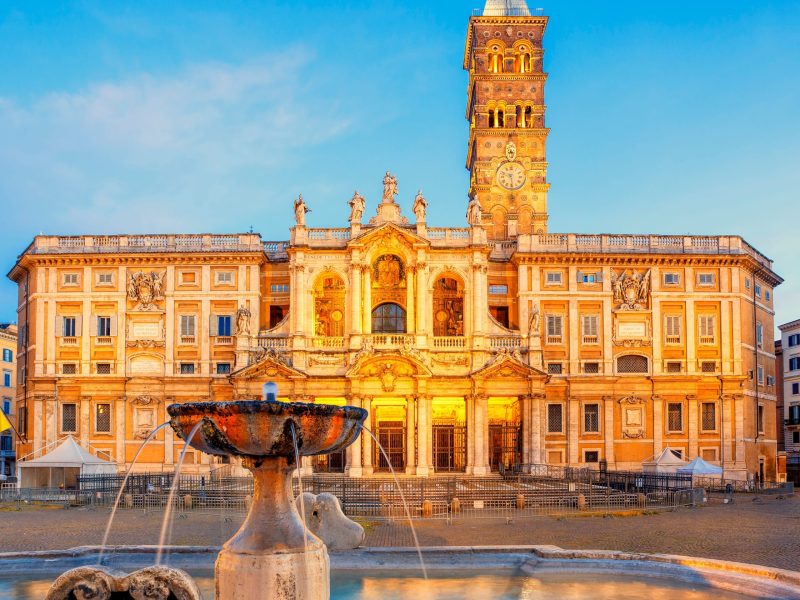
(505, 109)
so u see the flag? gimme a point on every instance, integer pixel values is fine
(4, 422)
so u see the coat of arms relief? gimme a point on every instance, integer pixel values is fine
(146, 289)
(631, 289)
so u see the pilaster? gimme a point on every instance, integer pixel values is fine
(354, 468)
(411, 435)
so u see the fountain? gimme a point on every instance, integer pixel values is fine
(273, 555)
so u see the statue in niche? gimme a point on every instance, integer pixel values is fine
(243, 321)
(146, 289)
(533, 321)
(357, 206)
(300, 210)
(420, 207)
(631, 289)
(474, 212)
(389, 188)
(388, 271)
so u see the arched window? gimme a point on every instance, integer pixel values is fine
(389, 318)
(528, 119)
(521, 116)
(492, 118)
(499, 231)
(495, 60)
(501, 118)
(448, 307)
(632, 363)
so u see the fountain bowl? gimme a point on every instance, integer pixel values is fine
(261, 428)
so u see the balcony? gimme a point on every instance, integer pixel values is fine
(329, 343)
(187, 340)
(505, 341)
(274, 342)
(104, 341)
(223, 340)
(448, 342)
(69, 341)
(389, 340)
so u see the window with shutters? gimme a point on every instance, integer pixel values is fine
(104, 327)
(672, 329)
(6, 378)
(759, 334)
(590, 329)
(591, 418)
(796, 389)
(188, 329)
(223, 326)
(707, 329)
(69, 326)
(708, 416)
(554, 418)
(587, 277)
(675, 416)
(8, 355)
(554, 329)
(102, 418)
(553, 278)
(747, 283)
(760, 372)
(758, 290)
(794, 340)
(69, 418)
(632, 363)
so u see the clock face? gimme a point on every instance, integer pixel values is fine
(511, 176)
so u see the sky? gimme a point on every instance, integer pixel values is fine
(152, 117)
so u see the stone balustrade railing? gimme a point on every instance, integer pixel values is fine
(449, 342)
(275, 342)
(448, 236)
(505, 341)
(84, 244)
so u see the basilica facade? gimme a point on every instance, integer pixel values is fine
(474, 348)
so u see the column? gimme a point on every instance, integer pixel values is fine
(368, 443)
(658, 424)
(608, 429)
(85, 416)
(691, 405)
(422, 304)
(366, 314)
(573, 430)
(537, 401)
(525, 409)
(411, 436)
(354, 468)
(300, 300)
(423, 426)
(120, 428)
(411, 322)
(355, 300)
(469, 410)
(481, 435)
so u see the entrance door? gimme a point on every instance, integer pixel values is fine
(504, 445)
(392, 436)
(331, 463)
(449, 447)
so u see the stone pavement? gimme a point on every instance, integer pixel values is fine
(765, 532)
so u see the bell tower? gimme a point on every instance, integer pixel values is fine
(505, 107)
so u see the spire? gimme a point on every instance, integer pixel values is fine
(506, 8)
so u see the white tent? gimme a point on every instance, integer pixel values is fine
(61, 467)
(700, 467)
(666, 462)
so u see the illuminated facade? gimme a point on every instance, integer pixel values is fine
(472, 348)
(8, 383)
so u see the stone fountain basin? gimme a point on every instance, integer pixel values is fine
(261, 428)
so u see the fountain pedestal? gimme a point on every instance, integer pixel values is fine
(272, 555)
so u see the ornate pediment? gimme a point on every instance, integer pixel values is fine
(270, 364)
(388, 366)
(389, 236)
(507, 365)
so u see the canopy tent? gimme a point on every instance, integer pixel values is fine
(666, 462)
(61, 467)
(700, 467)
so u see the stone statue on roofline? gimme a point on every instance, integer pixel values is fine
(389, 188)
(420, 207)
(357, 206)
(474, 212)
(300, 210)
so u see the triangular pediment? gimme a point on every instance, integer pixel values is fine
(271, 365)
(380, 363)
(507, 365)
(388, 234)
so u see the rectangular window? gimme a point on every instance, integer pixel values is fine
(674, 367)
(104, 368)
(760, 372)
(672, 279)
(103, 326)
(224, 325)
(70, 279)
(69, 418)
(759, 335)
(760, 418)
(770, 380)
(554, 368)
(591, 367)
(223, 368)
(587, 277)
(675, 416)
(69, 369)
(8, 355)
(590, 330)
(6, 378)
(758, 290)
(69, 326)
(498, 290)
(554, 329)
(187, 368)
(705, 279)
(708, 329)
(554, 420)
(22, 421)
(6, 444)
(279, 288)
(708, 421)
(767, 295)
(796, 437)
(102, 419)
(105, 279)
(794, 340)
(6, 406)
(188, 329)
(553, 278)
(708, 366)
(796, 389)
(672, 329)
(794, 363)
(225, 277)
(747, 283)
(591, 418)
(591, 456)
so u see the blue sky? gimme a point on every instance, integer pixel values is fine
(125, 117)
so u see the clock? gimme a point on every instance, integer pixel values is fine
(511, 175)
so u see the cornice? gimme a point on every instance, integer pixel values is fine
(499, 20)
(49, 260)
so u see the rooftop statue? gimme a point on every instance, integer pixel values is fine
(389, 188)
(420, 207)
(357, 205)
(300, 210)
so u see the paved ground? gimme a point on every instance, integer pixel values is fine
(764, 532)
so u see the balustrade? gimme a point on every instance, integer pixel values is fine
(449, 342)
(335, 343)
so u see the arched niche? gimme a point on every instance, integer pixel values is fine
(448, 305)
(329, 305)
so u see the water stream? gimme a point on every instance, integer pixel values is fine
(170, 499)
(405, 504)
(299, 464)
(122, 489)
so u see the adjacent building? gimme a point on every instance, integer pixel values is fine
(473, 348)
(789, 366)
(8, 371)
